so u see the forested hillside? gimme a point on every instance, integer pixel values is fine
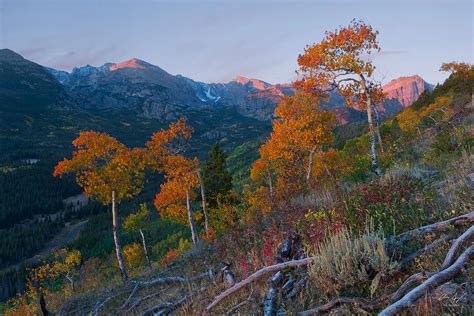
(370, 217)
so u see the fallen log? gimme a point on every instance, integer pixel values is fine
(256, 275)
(160, 281)
(435, 227)
(405, 261)
(297, 287)
(157, 281)
(450, 257)
(290, 249)
(365, 304)
(397, 295)
(142, 299)
(433, 282)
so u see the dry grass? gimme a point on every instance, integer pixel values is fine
(456, 191)
(344, 260)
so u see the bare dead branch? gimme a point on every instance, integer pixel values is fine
(468, 235)
(142, 299)
(365, 304)
(160, 281)
(256, 275)
(405, 261)
(436, 227)
(433, 282)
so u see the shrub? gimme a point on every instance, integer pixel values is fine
(344, 260)
(174, 253)
(447, 143)
(395, 205)
(134, 256)
(169, 257)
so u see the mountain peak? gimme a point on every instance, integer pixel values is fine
(255, 83)
(403, 81)
(131, 63)
(9, 55)
(241, 79)
(406, 89)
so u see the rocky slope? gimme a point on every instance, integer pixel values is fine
(27, 86)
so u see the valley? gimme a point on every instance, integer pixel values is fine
(125, 189)
(130, 100)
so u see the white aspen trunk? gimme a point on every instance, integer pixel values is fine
(192, 225)
(310, 164)
(118, 247)
(71, 281)
(144, 248)
(203, 198)
(373, 152)
(377, 130)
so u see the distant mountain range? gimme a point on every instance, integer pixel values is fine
(152, 92)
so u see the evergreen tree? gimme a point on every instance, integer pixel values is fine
(217, 179)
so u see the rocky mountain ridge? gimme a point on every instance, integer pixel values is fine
(155, 93)
(150, 91)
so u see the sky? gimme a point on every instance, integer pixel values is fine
(214, 41)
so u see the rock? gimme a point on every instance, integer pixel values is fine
(406, 89)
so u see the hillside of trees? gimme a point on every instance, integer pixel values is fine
(377, 219)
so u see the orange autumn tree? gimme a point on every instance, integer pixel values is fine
(109, 172)
(167, 142)
(174, 199)
(341, 63)
(182, 174)
(299, 134)
(304, 127)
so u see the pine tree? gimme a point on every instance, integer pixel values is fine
(217, 180)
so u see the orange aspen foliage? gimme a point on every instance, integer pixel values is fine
(174, 200)
(286, 159)
(167, 142)
(109, 172)
(302, 125)
(102, 164)
(341, 62)
(171, 201)
(329, 166)
(181, 178)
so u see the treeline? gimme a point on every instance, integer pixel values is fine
(12, 281)
(23, 241)
(31, 190)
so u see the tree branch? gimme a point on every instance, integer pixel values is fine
(468, 234)
(433, 282)
(256, 275)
